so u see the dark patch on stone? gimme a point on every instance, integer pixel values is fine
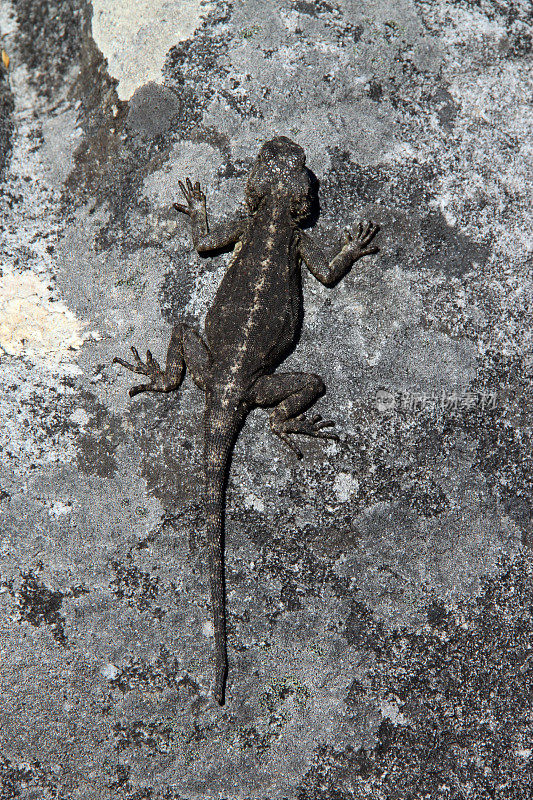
(122, 774)
(520, 510)
(362, 630)
(95, 455)
(113, 159)
(124, 142)
(447, 249)
(152, 110)
(189, 63)
(375, 91)
(102, 116)
(351, 33)
(39, 605)
(426, 498)
(465, 696)
(313, 9)
(149, 794)
(28, 779)
(176, 289)
(158, 675)
(289, 597)
(390, 471)
(500, 431)
(100, 438)
(513, 15)
(137, 588)
(504, 451)
(306, 8)
(279, 554)
(50, 38)
(170, 477)
(7, 105)
(241, 105)
(272, 701)
(408, 186)
(220, 141)
(520, 43)
(191, 69)
(437, 614)
(152, 737)
(446, 107)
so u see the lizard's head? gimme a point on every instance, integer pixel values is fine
(279, 171)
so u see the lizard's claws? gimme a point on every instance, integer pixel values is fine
(160, 381)
(302, 425)
(363, 237)
(312, 427)
(365, 234)
(193, 196)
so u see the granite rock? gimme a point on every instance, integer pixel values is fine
(379, 591)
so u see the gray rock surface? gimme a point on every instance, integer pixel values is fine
(379, 591)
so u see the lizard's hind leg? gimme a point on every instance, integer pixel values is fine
(291, 393)
(196, 356)
(185, 349)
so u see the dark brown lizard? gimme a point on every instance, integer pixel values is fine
(250, 327)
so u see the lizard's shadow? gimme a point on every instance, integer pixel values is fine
(314, 198)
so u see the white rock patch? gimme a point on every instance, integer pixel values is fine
(345, 486)
(109, 671)
(136, 36)
(33, 324)
(252, 501)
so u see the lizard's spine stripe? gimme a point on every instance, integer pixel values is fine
(255, 311)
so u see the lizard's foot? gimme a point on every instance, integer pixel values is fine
(194, 197)
(160, 381)
(313, 426)
(359, 244)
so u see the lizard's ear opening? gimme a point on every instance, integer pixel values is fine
(300, 207)
(301, 196)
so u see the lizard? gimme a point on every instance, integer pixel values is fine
(250, 327)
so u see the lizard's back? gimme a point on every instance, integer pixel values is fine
(254, 317)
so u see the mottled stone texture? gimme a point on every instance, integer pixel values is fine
(379, 591)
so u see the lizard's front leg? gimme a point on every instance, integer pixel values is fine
(291, 394)
(185, 349)
(355, 247)
(196, 210)
(204, 239)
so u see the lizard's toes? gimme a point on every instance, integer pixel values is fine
(325, 423)
(123, 363)
(297, 452)
(141, 387)
(327, 435)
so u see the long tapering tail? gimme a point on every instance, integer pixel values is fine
(221, 427)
